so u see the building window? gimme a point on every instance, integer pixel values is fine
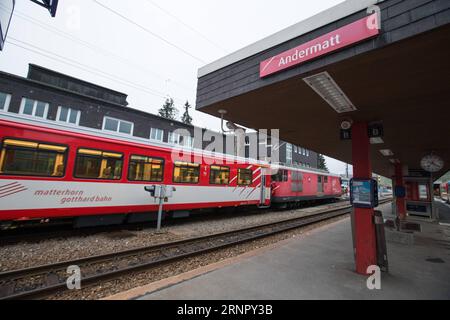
(5, 99)
(156, 134)
(184, 172)
(68, 115)
(289, 153)
(96, 164)
(244, 177)
(116, 125)
(295, 149)
(188, 141)
(34, 108)
(143, 168)
(174, 138)
(307, 152)
(219, 175)
(20, 157)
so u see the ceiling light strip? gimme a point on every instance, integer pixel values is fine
(324, 85)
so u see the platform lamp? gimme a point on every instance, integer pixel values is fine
(237, 131)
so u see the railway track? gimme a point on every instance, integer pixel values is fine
(41, 281)
(41, 233)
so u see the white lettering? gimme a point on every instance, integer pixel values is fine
(186, 310)
(374, 21)
(311, 50)
(74, 281)
(374, 281)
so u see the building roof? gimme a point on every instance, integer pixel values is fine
(67, 82)
(321, 19)
(398, 78)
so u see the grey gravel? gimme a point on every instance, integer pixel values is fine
(27, 254)
(22, 255)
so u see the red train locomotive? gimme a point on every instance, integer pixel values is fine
(293, 186)
(52, 171)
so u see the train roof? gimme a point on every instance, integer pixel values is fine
(310, 170)
(54, 125)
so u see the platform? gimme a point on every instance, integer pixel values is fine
(320, 265)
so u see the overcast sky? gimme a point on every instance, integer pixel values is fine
(155, 55)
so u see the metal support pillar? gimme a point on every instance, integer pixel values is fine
(364, 228)
(400, 201)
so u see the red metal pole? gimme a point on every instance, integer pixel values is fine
(400, 201)
(365, 241)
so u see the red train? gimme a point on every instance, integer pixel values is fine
(293, 186)
(51, 171)
(444, 191)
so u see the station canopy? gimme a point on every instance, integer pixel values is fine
(306, 79)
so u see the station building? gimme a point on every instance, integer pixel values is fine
(53, 96)
(365, 82)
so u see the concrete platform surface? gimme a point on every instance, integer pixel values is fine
(320, 266)
(443, 211)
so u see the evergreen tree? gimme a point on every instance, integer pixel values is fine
(186, 118)
(168, 110)
(321, 163)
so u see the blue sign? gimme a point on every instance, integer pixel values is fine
(364, 193)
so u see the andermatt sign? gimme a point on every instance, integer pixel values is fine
(340, 38)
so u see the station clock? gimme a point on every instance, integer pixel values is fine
(432, 163)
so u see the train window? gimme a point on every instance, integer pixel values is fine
(96, 164)
(20, 157)
(297, 181)
(219, 175)
(280, 176)
(185, 172)
(325, 179)
(144, 168)
(244, 177)
(276, 177)
(296, 176)
(319, 179)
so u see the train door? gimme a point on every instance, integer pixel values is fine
(320, 183)
(262, 199)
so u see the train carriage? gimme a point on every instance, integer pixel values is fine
(444, 191)
(52, 171)
(294, 186)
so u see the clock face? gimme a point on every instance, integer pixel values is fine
(432, 163)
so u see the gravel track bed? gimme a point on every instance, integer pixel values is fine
(22, 255)
(136, 279)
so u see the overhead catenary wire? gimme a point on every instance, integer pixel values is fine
(96, 49)
(73, 63)
(187, 25)
(154, 34)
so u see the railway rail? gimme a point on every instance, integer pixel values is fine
(66, 230)
(41, 281)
